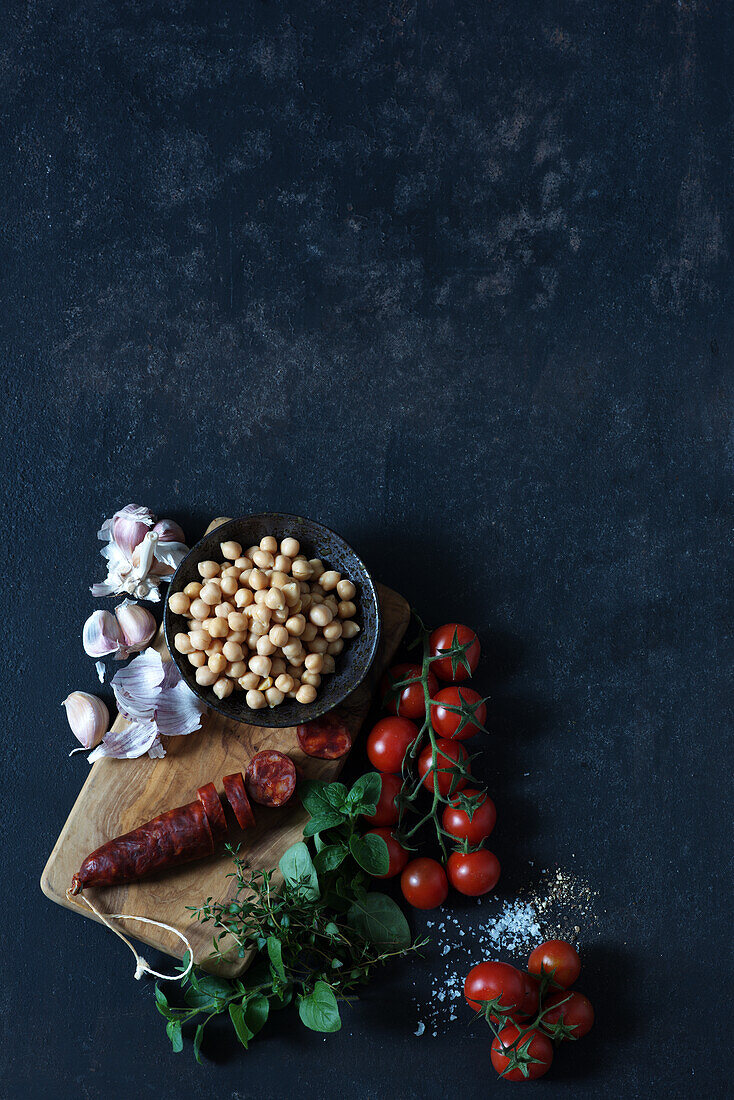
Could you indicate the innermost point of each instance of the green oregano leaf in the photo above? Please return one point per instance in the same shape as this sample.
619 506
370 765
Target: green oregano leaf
319 1011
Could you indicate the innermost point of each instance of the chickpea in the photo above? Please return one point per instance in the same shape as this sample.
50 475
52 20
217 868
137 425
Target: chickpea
314 662
249 681
280 616
259 664
200 639
277 667
279 579
300 569
290 547
336 647
279 635
275 599
284 683
217 628
263 560
317 567
265 683
199 610
328 665
305 602
245 577
235 669
262 615
197 659
329 579
320 615
251 550
318 645
179 603
223 610
233 651
192 590
243 597
205 677
274 697
346 590
313 598
293 648
306 693
350 629
270 544
298 660
206 623
231 550
333 630
209 569
223 688
237 636
347 609
282 564
255 700
257 579
217 663
230 571
305 588
182 642
332 603
237 621
230 585
292 593
261 595
252 640
211 594
215 647
311 678
243 563
309 632
264 646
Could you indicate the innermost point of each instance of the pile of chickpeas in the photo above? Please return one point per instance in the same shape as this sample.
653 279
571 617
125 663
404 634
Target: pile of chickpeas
266 620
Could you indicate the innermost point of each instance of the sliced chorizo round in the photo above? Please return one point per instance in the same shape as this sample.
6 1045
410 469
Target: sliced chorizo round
271 778
326 738
214 810
236 795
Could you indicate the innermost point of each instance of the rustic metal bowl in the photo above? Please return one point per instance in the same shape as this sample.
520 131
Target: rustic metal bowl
316 541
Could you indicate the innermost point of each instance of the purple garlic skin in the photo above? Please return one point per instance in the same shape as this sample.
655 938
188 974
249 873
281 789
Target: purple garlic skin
102 634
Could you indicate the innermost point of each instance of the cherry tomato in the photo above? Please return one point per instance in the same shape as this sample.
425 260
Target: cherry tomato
446 722
443 638
456 821
396 852
473 873
576 1013
424 884
532 996
387 811
534 1044
411 702
448 753
490 980
388 743
558 959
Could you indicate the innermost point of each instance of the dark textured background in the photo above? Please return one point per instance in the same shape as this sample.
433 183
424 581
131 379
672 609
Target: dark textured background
453 279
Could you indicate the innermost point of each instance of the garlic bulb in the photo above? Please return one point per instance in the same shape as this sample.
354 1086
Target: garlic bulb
137 624
102 634
88 717
140 553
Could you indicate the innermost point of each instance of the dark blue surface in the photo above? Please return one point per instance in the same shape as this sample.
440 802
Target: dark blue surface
452 279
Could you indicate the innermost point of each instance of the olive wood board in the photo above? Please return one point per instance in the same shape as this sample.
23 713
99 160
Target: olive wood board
119 795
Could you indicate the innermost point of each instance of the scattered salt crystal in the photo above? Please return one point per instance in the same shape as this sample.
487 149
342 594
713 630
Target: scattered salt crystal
420 1029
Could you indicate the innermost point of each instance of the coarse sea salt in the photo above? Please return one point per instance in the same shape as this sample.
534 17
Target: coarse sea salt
561 905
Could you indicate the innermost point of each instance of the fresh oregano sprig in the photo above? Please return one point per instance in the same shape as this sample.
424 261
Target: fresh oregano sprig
315 936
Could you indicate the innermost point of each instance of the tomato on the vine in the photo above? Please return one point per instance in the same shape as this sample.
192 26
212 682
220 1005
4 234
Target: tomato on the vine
387 812
577 1013
473 873
532 995
457 822
491 980
443 638
448 754
410 703
397 854
424 884
534 1052
388 743
558 959
446 722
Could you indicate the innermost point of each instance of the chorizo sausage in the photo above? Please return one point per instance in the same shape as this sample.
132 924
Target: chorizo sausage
234 792
175 837
214 810
271 778
326 738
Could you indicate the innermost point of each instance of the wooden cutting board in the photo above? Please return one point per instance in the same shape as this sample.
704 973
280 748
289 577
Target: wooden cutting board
119 795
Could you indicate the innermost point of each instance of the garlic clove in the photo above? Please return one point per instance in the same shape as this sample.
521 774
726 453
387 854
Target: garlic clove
102 634
168 530
88 717
137 625
128 527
